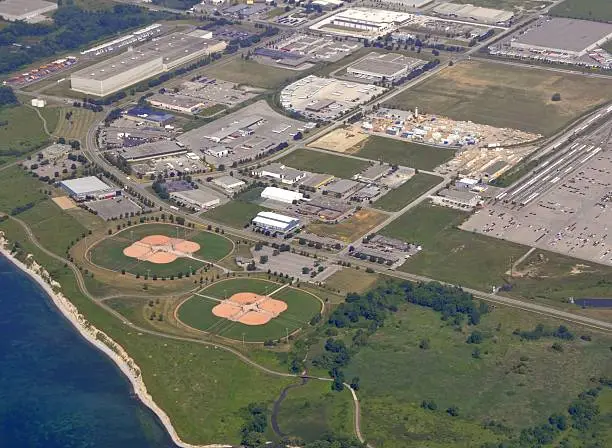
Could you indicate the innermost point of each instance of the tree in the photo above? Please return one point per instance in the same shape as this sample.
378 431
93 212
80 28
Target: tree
355 383
453 411
556 97
424 344
263 259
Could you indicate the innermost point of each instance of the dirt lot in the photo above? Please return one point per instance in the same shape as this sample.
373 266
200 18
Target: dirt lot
340 140
350 229
64 202
502 95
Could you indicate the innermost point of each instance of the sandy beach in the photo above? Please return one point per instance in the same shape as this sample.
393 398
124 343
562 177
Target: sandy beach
98 339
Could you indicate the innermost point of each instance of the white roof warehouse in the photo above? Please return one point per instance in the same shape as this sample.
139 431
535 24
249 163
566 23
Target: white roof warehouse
88 187
275 222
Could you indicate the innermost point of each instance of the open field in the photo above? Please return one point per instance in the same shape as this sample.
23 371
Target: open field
600 10
409 191
235 213
320 162
507 96
23 132
351 280
397 152
17 188
340 140
515 382
251 73
108 253
351 228
196 312
78 124
313 409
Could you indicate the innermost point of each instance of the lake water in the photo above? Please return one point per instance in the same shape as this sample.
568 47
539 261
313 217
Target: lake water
56 390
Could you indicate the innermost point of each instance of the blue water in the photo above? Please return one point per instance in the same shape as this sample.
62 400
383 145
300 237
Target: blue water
56 390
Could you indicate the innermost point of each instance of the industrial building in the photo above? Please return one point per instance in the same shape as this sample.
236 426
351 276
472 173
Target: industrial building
228 183
124 41
342 188
475 13
383 67
461 199
567 36
374 172
178 103
285 174
362 22
200 198
275 222
140 63
26 10
88 188
281 195
151 150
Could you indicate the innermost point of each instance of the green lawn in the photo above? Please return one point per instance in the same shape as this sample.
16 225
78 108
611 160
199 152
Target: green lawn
450 254
197 311
22 133
17 188
517 383
108 253
313 409
320 162
251 73
506 96
396 199
234 213
397 152
600 10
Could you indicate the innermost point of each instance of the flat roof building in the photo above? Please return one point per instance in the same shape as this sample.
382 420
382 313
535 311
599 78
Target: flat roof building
388 66
560 35
275 222
476 13
285 174
362 22
462 199
342 187
151 150
179 103
88 187
200 198
374 172
228 183
26 10
281 195
142 62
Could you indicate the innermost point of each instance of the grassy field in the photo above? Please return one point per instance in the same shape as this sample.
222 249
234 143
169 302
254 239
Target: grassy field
251 73
400 197
234 213
313 409
516 383
600 10
78 124
18 188
351 228
108 253
23 132
320 162
507 96
397 152
450 254
351 280
197 311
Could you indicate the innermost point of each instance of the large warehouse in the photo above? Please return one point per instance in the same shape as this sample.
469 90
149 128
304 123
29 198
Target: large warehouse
26 10
88 188
280 195
478 14
275 222
558 35
140 63
362 22
388 66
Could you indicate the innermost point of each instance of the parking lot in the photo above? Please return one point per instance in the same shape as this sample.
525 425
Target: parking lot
114 208
565 206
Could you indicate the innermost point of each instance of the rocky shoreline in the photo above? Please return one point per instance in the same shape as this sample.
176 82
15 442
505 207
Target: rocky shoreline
97 338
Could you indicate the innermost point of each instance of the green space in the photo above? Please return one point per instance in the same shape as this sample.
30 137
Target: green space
398 152
504 379
251 73
451 254
21 131
321 162
197 311
506 96
351 280
235 213
600 10
349 229
409 191
310 410
74 122
108 253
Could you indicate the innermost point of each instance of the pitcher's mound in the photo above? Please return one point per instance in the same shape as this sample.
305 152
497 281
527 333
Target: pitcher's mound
160 249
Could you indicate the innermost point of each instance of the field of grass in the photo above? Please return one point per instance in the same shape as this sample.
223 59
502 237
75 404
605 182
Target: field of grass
197 311
251 73
313 409
450 254
400 197
397 152
600 10
507 96
351 280
78 124
108 253
234 213
18 188
351 228
23 132
516 383
320 162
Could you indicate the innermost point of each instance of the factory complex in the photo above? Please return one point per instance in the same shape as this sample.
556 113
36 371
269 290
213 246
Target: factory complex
362 22
275 222
380 67
326 98
135 37
89 187
26 10
476 13
140 63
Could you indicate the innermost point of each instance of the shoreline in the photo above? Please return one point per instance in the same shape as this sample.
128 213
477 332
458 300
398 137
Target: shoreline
98 339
